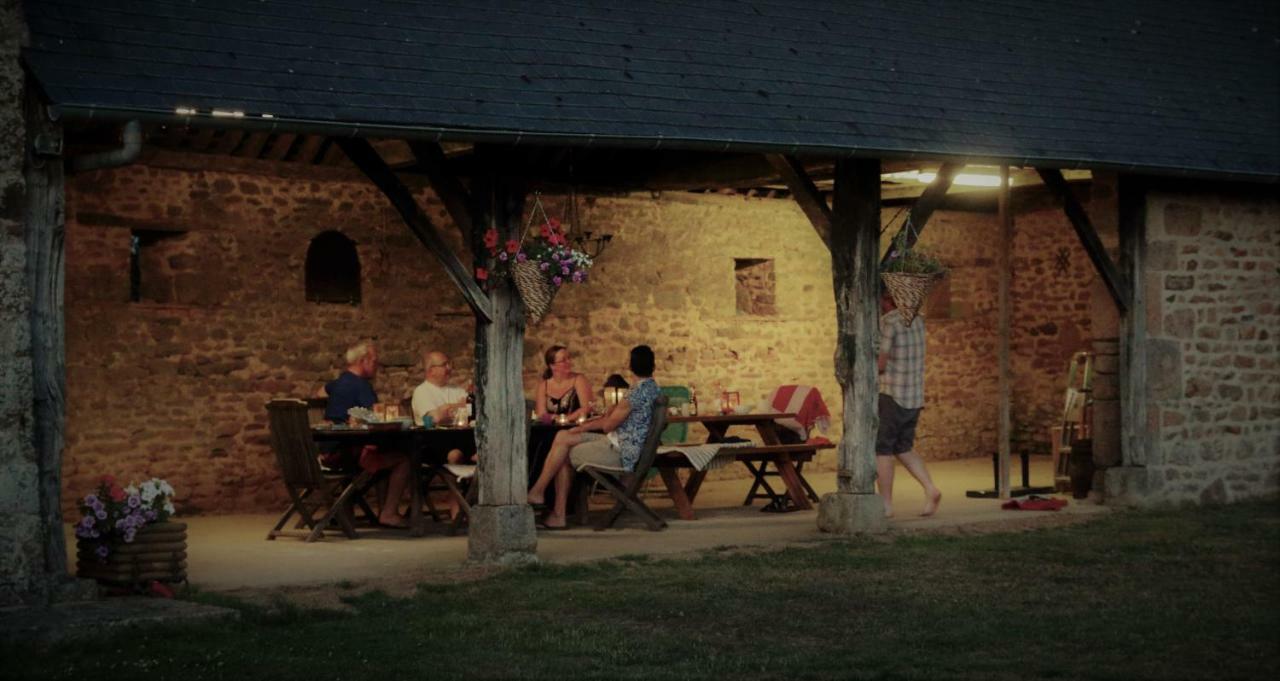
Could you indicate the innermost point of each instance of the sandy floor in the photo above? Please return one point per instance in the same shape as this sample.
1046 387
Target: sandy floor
230 553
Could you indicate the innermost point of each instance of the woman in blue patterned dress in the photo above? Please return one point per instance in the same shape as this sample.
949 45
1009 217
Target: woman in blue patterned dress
614 439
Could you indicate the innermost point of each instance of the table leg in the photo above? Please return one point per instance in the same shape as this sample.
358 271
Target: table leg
768 432
694 483
417 527
795 488
683 506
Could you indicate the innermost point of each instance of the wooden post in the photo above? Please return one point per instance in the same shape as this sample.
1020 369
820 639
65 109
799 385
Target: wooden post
855 248
502 528
1133 322
46 225
1006 276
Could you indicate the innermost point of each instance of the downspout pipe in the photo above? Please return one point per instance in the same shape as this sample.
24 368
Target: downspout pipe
126 154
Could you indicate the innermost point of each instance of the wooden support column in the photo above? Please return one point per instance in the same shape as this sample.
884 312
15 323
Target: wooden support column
46 227
363 155
923 208
855 248
1097 253
1133 322
1006 277
502 528
805 193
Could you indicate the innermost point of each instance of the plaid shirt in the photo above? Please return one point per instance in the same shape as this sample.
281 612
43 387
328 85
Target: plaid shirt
903 377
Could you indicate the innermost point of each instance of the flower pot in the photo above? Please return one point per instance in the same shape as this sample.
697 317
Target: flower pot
158 552
534 288
909 290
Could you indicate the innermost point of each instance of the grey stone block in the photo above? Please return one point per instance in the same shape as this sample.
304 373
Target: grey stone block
852 514
502 535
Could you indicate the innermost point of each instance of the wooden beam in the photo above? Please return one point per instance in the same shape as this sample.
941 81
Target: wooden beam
923 208
1134 431
228 142
372 165
855 234
201 138
332 155
280 147
252 147
1116 284
805 193
309 149
1005 381
447 186
45 221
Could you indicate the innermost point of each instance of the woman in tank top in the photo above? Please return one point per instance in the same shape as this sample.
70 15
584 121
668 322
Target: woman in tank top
562 391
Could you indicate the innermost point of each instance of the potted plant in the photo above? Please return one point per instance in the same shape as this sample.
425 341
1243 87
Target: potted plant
125 536
539 264
909 273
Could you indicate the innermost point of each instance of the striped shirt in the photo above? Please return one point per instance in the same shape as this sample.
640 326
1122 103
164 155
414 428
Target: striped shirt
903 376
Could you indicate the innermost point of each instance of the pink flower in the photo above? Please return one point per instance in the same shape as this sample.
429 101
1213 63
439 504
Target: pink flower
117 493
513 246
554 224
482 274
557 280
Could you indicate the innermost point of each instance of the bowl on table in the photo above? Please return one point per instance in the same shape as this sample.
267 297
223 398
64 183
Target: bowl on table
742 409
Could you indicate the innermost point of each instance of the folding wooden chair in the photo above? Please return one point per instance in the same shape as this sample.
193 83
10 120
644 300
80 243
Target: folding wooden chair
625 486
311 490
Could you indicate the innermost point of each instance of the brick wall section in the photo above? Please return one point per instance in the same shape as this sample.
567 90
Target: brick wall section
177 389
21 551
1213 273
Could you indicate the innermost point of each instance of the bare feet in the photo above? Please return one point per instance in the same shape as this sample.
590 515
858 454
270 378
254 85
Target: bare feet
888 511
535 500
931 506
554 522
396 521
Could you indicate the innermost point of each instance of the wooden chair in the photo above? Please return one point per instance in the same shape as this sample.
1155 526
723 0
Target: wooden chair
625 486
311 490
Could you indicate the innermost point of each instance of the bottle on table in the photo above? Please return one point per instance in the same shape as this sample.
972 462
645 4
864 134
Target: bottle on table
693 400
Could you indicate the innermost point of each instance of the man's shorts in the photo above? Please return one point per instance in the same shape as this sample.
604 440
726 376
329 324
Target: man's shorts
897 433
595 449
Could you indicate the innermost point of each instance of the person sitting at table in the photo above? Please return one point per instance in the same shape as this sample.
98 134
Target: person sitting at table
562 391
352 388
614 439
434 397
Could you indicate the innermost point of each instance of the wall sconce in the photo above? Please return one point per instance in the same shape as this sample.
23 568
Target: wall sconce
592 245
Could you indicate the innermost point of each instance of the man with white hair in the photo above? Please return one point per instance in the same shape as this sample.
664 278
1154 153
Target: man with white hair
353 389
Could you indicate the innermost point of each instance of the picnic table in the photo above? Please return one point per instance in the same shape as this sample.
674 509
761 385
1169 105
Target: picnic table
427 448
789 460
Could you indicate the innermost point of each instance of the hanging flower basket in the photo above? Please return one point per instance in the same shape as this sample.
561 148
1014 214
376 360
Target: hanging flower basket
539 263
909 290
909 273
535 290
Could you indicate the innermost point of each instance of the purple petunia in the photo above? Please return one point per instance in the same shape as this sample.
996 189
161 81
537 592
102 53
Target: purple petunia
543 266
102 551
578 277
134 501
521 257
91 500
502 256
102 514
557 280
564 269
129 534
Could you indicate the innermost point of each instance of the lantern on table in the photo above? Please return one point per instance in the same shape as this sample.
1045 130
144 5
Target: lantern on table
615 389
729 402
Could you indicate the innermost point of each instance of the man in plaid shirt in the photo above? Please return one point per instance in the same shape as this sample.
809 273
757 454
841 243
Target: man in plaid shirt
901 365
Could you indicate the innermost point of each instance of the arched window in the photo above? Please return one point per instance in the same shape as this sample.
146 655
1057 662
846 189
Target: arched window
333 269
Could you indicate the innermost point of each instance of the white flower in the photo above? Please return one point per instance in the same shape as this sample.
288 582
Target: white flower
131 490
164 487
168 508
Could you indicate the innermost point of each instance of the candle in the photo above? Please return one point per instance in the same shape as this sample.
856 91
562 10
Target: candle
582 418
562 419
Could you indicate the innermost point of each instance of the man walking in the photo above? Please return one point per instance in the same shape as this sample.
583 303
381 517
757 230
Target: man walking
901 365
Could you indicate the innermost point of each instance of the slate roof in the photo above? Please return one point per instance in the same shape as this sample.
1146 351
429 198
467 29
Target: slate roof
1178 86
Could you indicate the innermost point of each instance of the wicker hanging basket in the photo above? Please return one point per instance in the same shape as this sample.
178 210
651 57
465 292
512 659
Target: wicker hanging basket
536 292
909 291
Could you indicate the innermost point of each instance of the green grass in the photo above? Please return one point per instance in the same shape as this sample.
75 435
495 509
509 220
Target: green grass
1180 594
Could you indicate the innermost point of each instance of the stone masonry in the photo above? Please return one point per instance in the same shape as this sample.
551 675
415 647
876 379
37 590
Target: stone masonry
1213 270
21 550
174 385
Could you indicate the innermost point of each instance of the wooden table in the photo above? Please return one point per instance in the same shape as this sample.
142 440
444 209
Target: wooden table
427 446
717 426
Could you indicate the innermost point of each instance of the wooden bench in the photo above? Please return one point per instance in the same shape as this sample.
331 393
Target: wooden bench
788 459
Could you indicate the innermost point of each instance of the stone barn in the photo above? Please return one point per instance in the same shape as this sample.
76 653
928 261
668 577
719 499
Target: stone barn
204 206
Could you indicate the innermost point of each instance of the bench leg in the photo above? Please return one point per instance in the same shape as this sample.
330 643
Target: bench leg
676 490
795 489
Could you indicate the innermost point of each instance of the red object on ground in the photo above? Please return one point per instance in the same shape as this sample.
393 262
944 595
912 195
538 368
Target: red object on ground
160 589
1034 503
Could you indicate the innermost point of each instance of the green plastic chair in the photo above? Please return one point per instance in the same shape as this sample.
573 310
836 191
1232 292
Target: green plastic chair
677 396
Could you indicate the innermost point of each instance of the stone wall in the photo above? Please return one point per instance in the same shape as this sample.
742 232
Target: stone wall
21 550
1213 271
174 385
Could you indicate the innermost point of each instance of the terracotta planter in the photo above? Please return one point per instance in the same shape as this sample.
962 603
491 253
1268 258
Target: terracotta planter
158 552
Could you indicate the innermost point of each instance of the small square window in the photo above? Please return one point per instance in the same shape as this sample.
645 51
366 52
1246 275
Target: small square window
755 287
